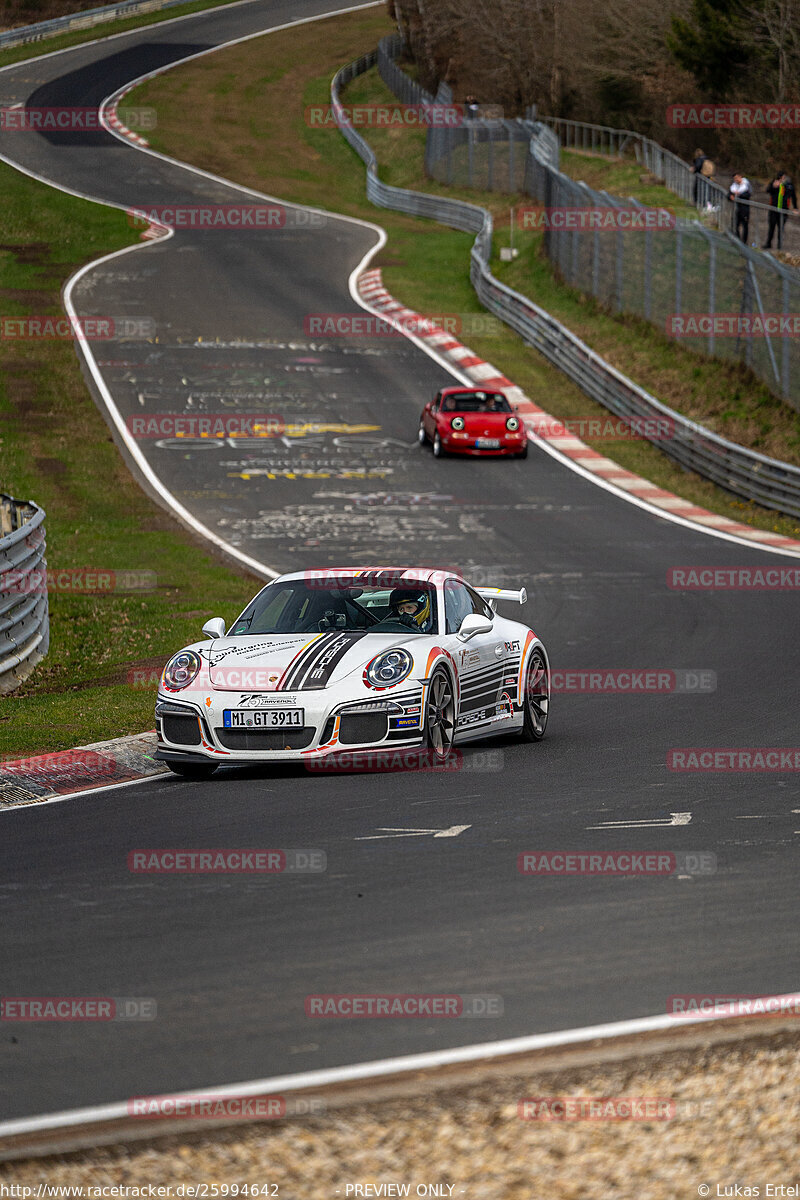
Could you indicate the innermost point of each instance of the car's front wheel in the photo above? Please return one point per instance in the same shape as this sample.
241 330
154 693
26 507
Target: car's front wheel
422 437
536 698
440 715
192 770
438 448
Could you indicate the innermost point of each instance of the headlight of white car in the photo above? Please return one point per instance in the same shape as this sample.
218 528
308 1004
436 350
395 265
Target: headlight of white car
181 669
389 668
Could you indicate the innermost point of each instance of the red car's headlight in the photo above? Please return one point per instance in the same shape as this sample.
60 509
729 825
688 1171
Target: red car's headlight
457 422
512 424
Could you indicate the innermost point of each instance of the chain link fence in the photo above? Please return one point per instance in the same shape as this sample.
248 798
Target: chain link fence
486 152
679 279
705 194
744 472
704 287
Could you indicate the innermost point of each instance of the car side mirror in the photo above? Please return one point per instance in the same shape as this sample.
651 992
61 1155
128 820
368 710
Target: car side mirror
472 625
215 628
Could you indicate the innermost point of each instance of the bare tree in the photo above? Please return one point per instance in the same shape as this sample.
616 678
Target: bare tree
776 33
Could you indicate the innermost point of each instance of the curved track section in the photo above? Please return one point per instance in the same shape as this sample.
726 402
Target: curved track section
230 960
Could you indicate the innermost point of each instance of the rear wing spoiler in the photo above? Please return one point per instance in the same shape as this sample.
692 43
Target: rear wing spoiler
492 595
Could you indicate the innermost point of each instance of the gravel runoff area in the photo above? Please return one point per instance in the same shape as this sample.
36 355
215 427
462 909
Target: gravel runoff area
728 1115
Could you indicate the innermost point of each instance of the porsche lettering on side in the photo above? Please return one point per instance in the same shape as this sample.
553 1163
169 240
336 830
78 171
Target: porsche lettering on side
462 420
349 659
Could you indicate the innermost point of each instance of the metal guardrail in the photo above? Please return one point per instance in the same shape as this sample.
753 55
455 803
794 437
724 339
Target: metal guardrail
688 266
744 472
81 20
24 612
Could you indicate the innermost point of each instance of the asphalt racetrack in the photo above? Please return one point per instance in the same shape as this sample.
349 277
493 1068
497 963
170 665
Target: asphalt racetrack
230 959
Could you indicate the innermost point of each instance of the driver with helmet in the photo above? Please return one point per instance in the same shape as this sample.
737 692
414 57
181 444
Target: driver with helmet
410 607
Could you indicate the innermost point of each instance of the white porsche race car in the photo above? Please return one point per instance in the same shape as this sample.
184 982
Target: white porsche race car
352 660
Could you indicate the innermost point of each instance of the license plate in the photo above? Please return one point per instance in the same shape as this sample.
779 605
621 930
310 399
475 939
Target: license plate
263 718
487 443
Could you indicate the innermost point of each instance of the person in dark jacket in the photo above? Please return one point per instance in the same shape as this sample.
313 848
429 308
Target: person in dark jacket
740 190
782 197
697 171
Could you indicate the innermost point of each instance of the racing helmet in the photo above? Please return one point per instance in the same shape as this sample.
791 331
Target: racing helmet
421 599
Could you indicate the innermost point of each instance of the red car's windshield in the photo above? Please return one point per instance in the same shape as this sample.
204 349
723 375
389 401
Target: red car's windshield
476 402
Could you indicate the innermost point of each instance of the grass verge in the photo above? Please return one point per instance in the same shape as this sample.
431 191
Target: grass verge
622 177
249 125
56 449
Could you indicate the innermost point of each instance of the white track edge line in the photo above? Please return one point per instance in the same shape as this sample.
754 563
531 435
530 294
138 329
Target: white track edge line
178 510
380 1068
450 367
569 463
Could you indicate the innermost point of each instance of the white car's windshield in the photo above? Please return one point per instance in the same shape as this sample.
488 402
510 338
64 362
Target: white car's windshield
312 606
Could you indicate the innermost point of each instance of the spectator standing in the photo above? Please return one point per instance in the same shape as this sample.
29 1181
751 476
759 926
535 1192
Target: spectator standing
782 197
740 190
697 171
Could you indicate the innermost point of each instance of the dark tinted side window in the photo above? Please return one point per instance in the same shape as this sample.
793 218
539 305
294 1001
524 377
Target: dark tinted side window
479 605
457 605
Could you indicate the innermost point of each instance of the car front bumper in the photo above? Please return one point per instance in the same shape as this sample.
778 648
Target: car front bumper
452 445
191 730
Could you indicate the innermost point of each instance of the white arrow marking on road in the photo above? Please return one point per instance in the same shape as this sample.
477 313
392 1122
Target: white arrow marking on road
390 832
674 819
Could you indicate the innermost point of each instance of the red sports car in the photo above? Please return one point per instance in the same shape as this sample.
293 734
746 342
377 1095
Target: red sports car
462 420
